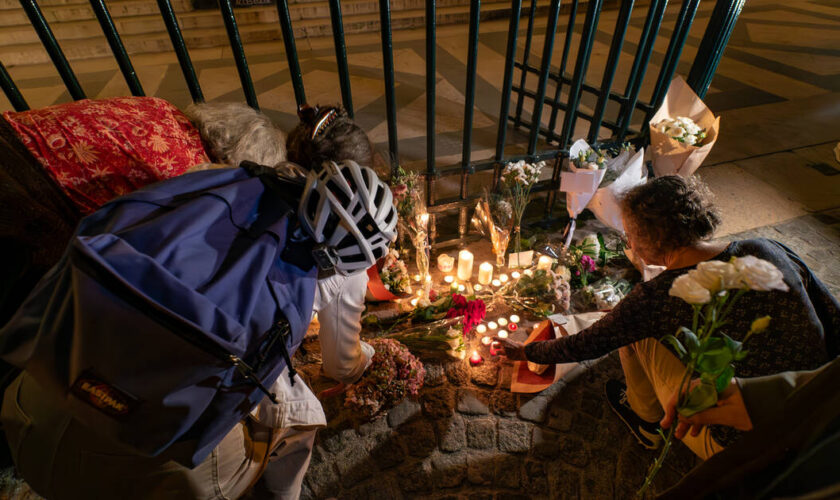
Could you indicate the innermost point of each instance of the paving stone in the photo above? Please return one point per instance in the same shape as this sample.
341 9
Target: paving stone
338 440
379 488
536 481
584 426
451 433
564 482
593 404
534 409
503 403
514 436
354 466
480 467
404 411
508 471
419 438
322 479
458 373
416 477
592 484
377 426
435 374
480 496
486 374
573 450
450 469
438 402
471 402
505 376
481 433
546 443
388 452
559 418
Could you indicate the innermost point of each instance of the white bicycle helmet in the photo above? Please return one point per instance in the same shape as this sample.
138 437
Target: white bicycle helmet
350 213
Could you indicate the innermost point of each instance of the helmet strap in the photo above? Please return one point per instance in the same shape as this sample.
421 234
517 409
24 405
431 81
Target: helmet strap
324 256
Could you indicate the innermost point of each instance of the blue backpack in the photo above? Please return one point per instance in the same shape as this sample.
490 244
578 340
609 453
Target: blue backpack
171 311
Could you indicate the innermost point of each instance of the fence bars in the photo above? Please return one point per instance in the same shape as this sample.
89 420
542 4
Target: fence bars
640 62
11 90
238 53
431 92
548 50
180 47
341 55
117 47
672 55
507 85
388 67
517 121
561 74
36 18
621 24
291 50
715 38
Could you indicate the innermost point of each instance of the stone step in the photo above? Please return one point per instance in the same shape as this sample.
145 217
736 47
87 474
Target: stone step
82 12
201 31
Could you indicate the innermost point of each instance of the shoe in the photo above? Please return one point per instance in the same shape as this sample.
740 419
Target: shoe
646 433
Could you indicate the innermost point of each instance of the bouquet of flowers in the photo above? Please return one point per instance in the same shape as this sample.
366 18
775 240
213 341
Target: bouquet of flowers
517 179
542 292
624 171
580 260
493 218
587 168
388 279
473 311
413 220
607 293
441 338
393 374
679 145
712 289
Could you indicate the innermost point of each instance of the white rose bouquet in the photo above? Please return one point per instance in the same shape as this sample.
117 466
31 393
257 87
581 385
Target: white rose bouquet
682 131
712 289
517 180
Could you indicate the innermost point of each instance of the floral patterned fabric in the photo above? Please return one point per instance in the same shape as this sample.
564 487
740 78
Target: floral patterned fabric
97 150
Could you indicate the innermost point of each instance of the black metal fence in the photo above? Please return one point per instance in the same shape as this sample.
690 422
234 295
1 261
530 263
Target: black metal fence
569 85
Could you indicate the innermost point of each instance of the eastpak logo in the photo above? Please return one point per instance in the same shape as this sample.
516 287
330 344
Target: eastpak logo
103 396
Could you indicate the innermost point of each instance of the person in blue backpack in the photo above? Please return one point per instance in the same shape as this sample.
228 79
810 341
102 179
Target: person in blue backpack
345 220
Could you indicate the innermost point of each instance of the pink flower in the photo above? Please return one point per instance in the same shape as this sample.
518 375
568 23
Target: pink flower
587 263
399 191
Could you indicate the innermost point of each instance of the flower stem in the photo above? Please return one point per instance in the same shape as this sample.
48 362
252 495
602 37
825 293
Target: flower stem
657 464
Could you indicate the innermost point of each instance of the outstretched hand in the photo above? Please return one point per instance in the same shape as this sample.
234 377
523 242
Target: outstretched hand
729 411
511 349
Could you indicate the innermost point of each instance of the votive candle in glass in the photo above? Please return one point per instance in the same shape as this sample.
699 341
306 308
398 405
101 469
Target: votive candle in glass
465 265
502 334
477 288
514 318
515 275
481 328
461 288
475 358
502 321
449 278
513 327
492 325
485 273
445 263
544 263
497 283
503 278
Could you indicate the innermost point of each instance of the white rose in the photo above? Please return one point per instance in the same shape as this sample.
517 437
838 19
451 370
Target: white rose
716 275
590 166
686 288
759 274
590 245
676 132
691 140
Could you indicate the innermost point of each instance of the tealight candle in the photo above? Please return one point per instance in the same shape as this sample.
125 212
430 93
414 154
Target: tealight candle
449 278
544 263
416 277
481 328
445 263
486 340
515 275
503 278
502 334
475 358
514 318
512 327
414 302
497 283
465 265
528 272
461 288
492 325
485 273
477 288
428 278
502 321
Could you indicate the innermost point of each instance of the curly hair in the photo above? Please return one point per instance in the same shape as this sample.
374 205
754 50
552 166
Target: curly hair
340 139
671 211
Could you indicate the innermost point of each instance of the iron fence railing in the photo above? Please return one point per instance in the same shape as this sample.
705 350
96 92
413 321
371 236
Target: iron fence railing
563 113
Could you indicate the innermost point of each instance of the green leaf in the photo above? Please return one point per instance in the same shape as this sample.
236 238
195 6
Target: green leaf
716 357
722 381
732 344
691 343
677 345
741 354
702 397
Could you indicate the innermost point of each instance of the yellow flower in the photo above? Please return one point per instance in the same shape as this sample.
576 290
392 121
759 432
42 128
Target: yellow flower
760 324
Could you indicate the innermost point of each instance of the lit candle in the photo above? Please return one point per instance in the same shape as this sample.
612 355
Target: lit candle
461 288
502 334
481 328
497 283
477 288
449 279
544 263
502 321
485 273
528 272
423 219
414 302
486 340
445 263
428 278
503 278
416 277
515 275
475 358
492 325
465 265
512 327
514 318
